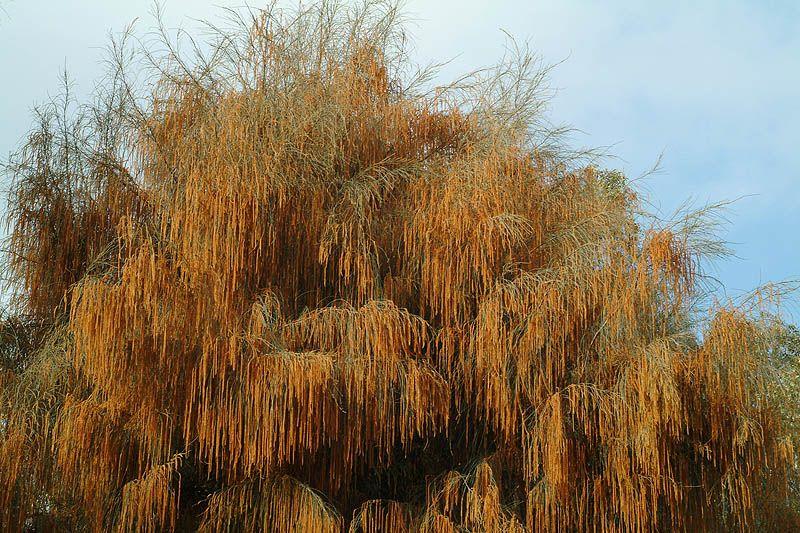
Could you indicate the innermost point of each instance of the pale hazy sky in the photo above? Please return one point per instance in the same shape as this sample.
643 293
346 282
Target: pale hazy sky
714 84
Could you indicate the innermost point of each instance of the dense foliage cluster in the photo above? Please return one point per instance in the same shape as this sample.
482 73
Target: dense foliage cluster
274 285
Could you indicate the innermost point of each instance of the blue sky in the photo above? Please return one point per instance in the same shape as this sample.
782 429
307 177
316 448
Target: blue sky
714 85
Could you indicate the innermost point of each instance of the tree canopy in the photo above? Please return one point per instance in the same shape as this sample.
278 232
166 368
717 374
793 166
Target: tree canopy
275 282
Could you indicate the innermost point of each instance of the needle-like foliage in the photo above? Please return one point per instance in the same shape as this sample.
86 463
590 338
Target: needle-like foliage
272 284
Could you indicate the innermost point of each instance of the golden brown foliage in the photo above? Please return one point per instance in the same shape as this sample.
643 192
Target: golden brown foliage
283 289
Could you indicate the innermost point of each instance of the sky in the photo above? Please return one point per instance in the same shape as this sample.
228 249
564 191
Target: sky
713 85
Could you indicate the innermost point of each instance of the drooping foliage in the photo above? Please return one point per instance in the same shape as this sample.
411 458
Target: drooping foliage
275 285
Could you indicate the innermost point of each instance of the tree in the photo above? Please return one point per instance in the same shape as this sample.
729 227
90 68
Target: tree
281 287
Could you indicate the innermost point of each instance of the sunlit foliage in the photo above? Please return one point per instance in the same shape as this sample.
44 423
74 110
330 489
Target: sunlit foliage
273 284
